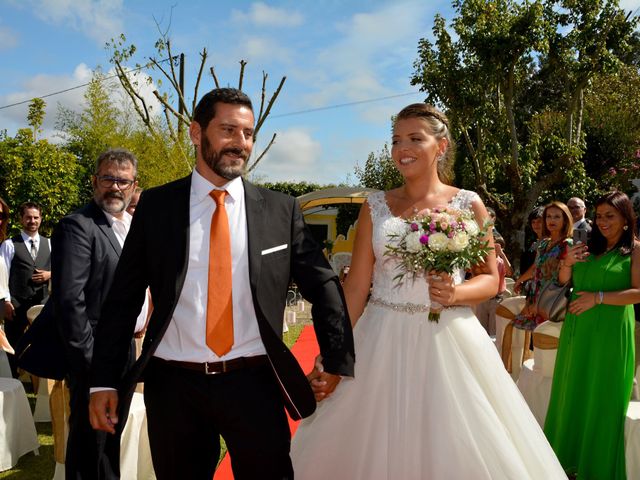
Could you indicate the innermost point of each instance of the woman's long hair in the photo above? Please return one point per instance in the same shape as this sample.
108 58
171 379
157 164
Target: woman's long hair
619 201
6 213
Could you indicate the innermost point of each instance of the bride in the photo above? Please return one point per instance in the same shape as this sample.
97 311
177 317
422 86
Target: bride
429 400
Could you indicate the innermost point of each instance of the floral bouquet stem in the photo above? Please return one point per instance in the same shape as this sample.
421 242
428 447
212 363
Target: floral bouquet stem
434 310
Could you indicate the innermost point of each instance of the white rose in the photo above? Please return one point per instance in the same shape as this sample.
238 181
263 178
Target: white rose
459 242
413 241
471 227
438 241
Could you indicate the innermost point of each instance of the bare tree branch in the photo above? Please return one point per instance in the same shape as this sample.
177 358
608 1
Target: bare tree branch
270 104
243 64
255 163
203 61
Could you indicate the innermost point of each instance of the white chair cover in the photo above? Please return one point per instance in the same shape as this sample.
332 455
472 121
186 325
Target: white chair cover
536 376
17 430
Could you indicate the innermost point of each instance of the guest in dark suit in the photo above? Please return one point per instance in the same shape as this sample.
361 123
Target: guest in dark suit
86 249
28 261
581 226
195 388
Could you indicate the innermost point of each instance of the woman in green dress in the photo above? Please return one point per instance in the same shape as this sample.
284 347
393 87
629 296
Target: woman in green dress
594 368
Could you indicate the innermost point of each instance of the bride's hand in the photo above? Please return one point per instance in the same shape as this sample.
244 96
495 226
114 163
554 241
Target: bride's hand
442 288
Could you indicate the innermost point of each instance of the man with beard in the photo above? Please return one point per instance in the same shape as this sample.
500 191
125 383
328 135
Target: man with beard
218 254
86 248
28 260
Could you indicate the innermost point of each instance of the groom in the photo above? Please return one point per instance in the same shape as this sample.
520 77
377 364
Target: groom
218 254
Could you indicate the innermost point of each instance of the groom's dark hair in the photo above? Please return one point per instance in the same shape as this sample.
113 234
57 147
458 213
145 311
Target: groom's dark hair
206 108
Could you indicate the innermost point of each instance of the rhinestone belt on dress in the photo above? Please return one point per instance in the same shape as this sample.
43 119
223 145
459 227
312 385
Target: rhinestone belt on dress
411 308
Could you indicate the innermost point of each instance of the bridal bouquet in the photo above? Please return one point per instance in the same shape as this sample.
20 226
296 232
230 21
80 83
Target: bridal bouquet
440 240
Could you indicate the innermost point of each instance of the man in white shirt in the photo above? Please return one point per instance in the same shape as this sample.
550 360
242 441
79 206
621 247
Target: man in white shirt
581 226
27 257
214 246
86 249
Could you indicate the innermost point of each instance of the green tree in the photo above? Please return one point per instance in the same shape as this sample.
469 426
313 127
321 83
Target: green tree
106 123
513 82
41 172
379 171
35 115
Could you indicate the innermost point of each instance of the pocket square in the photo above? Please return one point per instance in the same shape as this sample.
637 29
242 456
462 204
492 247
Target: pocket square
274 249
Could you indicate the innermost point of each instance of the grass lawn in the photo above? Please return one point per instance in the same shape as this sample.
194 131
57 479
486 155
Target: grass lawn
41 467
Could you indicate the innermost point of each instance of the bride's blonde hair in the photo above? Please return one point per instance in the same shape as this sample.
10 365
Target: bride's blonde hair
439 127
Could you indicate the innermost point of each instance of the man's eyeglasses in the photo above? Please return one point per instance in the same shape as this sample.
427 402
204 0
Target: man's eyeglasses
107 181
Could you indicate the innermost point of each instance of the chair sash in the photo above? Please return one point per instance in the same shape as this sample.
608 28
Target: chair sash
544 341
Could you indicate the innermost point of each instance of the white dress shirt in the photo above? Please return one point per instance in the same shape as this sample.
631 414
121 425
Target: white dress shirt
120 227
185 338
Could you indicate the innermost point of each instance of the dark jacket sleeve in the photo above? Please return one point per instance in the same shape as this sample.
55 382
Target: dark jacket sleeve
71 261
319 284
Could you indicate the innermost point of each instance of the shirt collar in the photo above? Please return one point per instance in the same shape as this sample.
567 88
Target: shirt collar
201 187
27 238
126 218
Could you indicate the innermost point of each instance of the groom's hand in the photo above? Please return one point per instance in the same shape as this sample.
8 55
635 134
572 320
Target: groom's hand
322 383
102 410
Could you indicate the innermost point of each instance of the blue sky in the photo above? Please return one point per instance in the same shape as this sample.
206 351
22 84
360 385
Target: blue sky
332 52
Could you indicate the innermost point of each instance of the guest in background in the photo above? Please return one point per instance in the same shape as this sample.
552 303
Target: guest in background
133 204
557 230
581 226
486 311
5 301
27 257
594 368
536 224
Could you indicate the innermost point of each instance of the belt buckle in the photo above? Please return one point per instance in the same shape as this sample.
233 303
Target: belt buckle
207 372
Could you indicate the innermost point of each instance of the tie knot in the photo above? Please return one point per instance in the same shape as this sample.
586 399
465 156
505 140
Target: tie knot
218 196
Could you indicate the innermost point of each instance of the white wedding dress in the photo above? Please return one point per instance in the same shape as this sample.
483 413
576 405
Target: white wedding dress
429 401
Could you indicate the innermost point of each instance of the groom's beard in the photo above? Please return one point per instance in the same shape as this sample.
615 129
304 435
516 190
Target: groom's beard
229 163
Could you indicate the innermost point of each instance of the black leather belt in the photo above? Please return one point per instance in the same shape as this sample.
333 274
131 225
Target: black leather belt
213 368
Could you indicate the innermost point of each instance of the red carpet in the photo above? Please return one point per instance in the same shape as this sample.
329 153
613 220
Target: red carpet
305 350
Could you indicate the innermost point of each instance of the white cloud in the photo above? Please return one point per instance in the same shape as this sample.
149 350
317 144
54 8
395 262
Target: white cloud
353 68
99 20
293 157
8 38
263 15
262 50
39 85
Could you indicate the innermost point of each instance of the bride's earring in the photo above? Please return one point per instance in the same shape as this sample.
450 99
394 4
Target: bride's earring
625 228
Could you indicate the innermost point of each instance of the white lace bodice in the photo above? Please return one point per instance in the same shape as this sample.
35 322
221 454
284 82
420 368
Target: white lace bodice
385 286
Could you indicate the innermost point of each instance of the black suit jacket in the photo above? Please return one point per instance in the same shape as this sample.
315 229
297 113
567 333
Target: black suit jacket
85 252
156 254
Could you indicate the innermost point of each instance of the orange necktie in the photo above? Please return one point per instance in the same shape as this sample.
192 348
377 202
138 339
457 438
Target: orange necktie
219 304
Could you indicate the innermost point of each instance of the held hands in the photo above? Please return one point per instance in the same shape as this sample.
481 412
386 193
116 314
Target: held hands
442 289
102 410
322 383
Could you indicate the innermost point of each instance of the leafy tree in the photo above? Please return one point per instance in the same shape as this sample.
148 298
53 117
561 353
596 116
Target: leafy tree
379 171
106 123
513 82
41 172
35 116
